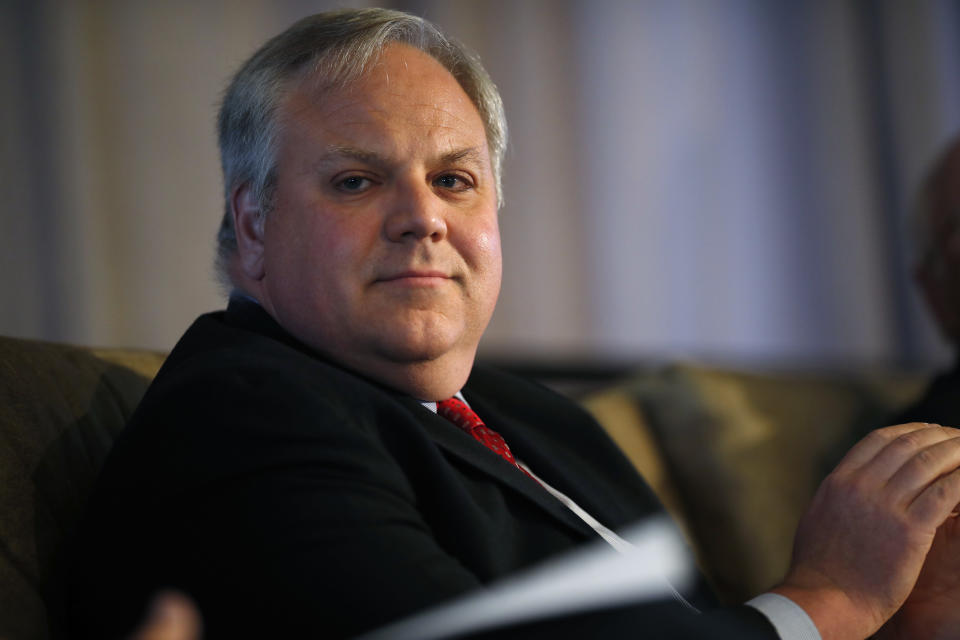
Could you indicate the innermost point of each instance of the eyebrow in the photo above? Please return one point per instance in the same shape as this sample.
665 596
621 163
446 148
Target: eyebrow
470 154
337 151
366 156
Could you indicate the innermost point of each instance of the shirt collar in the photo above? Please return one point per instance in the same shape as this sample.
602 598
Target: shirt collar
432 406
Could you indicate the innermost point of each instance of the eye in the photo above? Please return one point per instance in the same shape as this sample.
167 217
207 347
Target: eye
453 182
354 184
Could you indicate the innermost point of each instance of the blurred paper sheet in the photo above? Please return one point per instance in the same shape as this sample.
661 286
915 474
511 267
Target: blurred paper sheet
656 567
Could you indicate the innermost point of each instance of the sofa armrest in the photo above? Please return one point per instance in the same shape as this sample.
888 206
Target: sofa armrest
61 407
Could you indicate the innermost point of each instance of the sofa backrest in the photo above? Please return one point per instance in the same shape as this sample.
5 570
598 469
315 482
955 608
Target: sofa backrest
736 456
61 408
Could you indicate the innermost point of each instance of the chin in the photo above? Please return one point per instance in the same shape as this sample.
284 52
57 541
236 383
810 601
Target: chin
418 342
403 352
435 379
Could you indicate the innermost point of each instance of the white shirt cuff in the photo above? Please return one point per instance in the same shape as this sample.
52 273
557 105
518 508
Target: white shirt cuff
786 616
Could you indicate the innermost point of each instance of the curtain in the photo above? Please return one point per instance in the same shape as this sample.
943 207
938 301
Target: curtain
726 180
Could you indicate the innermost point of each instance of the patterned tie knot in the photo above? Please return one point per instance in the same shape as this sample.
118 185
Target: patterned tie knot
457 412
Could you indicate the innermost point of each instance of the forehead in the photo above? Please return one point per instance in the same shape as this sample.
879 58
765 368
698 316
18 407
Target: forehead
404 92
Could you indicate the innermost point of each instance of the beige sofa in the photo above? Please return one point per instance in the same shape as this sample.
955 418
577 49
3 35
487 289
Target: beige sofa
60 409
734 456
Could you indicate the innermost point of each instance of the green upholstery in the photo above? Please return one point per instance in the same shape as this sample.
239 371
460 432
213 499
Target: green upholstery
739 455
60 409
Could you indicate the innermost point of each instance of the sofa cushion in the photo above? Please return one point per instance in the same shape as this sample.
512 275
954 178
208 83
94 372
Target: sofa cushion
60 409
621 416
746 451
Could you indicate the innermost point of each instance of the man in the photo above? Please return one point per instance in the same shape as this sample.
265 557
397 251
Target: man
288 468
937 272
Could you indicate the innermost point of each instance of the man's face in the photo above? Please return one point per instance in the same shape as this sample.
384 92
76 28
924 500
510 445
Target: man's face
382 250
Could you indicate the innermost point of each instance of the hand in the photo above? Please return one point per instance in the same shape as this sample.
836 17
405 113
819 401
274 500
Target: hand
932 611
860 547
172 617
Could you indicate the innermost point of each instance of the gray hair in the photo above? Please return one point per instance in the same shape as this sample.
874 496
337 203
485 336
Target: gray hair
337 46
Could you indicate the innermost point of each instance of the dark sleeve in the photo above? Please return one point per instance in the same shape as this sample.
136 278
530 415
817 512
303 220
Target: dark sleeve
274 510
653 620
660 620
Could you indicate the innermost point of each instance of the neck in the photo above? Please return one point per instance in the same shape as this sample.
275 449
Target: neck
431 380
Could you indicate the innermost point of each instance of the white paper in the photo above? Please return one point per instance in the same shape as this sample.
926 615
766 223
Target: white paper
656 567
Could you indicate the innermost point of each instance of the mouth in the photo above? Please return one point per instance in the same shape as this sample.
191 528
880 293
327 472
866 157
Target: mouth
416 278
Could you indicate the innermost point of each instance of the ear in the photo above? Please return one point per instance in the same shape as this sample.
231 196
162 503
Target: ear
248 226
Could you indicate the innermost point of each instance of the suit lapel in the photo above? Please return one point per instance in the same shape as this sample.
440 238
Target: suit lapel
554 464
461 445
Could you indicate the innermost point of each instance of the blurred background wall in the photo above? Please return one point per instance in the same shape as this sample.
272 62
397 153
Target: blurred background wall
727 180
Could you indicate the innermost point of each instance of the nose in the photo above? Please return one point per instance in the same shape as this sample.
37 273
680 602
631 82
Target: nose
416 213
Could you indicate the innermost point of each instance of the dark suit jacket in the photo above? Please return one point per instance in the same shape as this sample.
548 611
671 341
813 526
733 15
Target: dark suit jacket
293 498
939 404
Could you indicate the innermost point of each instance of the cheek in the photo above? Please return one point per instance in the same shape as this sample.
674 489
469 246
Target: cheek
326 243
496 260
490 241
301 262
488 256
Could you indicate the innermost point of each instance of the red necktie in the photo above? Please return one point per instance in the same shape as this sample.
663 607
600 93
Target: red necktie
457 412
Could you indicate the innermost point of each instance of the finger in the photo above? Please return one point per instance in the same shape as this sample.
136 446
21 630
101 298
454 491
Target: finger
923 468
902 449
867 448
172 616
934 505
